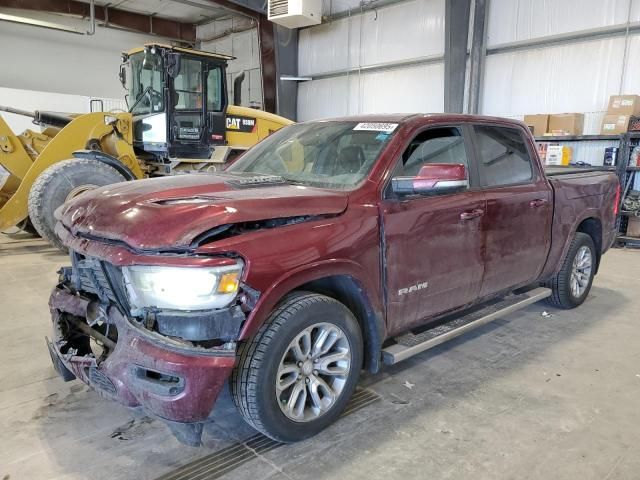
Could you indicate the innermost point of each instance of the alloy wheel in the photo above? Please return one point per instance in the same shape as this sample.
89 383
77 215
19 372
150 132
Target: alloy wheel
581 271
313 372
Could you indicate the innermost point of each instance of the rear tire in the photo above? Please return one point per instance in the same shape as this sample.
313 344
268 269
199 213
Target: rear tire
291 400
571 286
61 182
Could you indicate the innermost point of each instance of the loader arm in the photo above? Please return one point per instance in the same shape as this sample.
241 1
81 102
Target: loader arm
13 154
115 139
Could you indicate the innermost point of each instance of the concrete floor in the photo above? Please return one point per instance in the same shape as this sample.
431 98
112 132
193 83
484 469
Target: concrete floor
525 397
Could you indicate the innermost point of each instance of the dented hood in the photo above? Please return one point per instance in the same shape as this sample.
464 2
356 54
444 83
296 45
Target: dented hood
169 213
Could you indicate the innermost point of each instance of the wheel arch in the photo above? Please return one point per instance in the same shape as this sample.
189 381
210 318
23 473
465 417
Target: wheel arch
592 226
107 159
342 284
349 292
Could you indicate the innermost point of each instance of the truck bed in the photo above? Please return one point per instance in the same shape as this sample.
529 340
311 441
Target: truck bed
581 193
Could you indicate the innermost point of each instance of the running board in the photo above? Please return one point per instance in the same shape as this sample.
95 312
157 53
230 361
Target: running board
411 344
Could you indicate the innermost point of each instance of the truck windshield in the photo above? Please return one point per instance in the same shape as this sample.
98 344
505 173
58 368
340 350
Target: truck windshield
330 154
146 83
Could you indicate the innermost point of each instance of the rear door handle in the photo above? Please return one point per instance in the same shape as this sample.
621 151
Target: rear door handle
478 212
538 202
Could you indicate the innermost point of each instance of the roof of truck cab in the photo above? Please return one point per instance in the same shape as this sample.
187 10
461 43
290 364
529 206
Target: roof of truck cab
425 118
182 50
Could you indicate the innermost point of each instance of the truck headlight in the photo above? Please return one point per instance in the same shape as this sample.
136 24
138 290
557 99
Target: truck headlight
182 288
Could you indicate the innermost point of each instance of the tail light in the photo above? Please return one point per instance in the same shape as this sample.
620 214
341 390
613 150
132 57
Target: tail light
616 202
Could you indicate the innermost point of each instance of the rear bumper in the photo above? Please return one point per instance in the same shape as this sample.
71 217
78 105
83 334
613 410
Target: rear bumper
172 381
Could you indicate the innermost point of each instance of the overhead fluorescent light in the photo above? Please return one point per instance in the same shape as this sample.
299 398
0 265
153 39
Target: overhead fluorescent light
38 23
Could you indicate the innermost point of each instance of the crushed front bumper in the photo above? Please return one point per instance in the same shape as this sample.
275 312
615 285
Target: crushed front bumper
176 382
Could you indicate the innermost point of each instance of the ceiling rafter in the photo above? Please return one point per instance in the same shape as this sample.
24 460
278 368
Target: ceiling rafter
137 22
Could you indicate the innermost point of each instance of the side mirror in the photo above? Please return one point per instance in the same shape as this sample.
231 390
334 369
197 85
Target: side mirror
173 64
123 76
432 178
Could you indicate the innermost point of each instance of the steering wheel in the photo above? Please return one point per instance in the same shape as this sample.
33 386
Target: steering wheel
351 164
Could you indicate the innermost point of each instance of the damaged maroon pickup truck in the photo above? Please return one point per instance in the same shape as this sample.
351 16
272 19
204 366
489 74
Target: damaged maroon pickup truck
329 248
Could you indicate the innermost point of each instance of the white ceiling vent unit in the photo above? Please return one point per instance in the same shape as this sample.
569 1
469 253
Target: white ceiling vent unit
295 13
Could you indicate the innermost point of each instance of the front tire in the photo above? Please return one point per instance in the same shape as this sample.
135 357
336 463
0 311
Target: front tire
295 377
571 286
62 182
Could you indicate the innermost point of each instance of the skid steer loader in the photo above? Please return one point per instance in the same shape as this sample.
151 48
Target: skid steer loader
179 120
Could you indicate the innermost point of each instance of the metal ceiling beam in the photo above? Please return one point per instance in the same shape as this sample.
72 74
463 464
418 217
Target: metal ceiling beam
38 23
254 6
267 43
365 6
230 5
599 33
136 22
287 67
456 30
477 55
380 67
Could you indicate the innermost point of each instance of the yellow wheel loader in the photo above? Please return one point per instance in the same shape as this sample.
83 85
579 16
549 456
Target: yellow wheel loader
179 120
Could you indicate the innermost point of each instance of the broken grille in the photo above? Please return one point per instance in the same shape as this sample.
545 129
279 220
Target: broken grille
91 277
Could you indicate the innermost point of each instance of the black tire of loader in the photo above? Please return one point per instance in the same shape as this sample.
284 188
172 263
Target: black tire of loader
51 188
27 226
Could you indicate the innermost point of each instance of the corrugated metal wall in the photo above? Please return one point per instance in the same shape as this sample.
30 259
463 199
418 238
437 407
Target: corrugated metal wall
236 36
576 76
518 20
402 43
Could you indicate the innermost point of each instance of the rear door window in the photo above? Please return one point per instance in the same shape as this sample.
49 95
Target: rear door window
503 156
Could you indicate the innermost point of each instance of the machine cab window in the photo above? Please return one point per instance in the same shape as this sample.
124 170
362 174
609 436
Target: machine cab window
188 89
177 100
146 84
215 89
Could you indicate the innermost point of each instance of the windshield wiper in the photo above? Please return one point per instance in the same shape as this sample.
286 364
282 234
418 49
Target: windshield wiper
294 181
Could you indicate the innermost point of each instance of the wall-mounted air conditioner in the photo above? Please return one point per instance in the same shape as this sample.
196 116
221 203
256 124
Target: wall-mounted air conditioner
295 13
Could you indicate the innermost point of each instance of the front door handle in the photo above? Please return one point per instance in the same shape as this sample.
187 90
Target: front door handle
478 212
538 202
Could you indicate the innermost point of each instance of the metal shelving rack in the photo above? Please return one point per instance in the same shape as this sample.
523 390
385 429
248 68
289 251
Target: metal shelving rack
627 175
576 138
615 139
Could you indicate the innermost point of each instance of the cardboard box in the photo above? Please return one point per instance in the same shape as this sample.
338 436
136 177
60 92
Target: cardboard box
633 227
615 124
624 105
566 123
559 155
538 124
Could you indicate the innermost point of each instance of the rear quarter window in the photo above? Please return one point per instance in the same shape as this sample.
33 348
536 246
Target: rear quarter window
503 156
